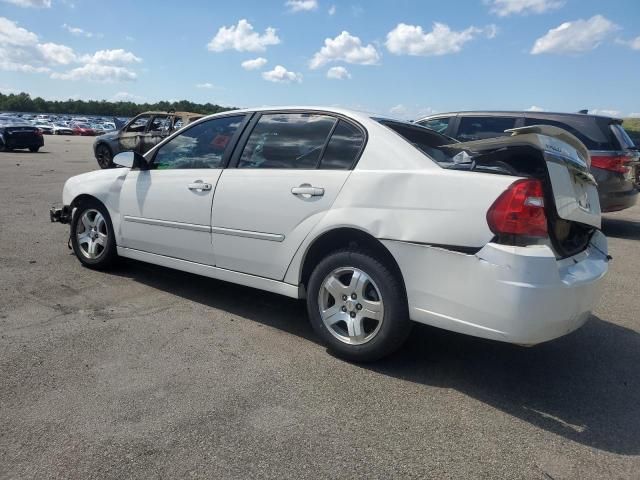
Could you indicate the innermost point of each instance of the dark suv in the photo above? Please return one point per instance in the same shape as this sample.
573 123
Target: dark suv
614 157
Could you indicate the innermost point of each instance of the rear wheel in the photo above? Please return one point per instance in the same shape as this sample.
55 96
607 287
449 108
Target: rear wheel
358 306
92 236
104 156
34 149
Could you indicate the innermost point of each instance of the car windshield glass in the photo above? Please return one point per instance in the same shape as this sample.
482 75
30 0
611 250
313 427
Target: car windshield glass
429 142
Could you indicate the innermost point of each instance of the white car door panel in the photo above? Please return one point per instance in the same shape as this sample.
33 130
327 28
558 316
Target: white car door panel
259 222
168 212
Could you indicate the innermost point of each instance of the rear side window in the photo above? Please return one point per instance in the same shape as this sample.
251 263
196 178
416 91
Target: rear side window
439 125
623 137
287 140
588 131
478 128
343 148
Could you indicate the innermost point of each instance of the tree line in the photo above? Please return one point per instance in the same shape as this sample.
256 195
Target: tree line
22 102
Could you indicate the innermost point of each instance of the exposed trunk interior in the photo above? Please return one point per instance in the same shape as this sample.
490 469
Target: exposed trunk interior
568 238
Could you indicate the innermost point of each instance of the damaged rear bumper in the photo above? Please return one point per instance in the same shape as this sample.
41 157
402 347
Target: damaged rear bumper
60 215
521 295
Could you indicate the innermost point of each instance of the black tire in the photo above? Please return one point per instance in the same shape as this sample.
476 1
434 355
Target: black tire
104 156
395 326
106 253
34 149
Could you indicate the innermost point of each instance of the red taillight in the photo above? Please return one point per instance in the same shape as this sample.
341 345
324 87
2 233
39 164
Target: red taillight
519 210
618 163
38 132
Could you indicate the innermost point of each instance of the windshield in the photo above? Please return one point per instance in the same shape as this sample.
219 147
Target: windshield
428 141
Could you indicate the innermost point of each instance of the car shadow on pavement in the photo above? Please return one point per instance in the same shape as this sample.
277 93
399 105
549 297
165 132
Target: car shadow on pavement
620 228
584 387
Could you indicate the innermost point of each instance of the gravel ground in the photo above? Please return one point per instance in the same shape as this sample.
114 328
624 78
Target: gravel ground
144 372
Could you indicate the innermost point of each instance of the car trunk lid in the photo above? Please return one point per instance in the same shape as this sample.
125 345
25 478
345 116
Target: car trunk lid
567 160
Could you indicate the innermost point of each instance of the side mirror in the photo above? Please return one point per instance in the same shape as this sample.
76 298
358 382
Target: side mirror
130 160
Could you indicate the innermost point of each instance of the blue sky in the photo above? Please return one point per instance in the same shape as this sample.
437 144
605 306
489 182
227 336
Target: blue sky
406 57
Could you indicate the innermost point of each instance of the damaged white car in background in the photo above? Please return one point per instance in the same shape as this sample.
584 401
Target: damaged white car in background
375 222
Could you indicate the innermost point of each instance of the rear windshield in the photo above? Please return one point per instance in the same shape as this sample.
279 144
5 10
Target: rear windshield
594 132
427 141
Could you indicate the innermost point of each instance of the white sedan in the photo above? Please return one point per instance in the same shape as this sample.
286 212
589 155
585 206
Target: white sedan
375 222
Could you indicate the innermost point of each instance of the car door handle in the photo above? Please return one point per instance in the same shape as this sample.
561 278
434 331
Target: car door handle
307 189
201 186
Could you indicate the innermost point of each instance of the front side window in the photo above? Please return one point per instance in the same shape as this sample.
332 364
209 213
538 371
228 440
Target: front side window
160 124
477 128
343 148
287 140
439 125
139 124
201 146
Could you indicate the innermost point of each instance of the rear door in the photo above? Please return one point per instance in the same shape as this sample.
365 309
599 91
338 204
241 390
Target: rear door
166 210
288 173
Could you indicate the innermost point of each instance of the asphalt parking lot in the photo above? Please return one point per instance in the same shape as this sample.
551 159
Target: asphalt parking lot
145 372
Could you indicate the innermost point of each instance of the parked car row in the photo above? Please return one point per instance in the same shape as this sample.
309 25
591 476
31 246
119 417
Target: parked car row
614 157
375 222
64 124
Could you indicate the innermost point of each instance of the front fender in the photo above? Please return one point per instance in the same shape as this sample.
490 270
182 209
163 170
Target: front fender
104 185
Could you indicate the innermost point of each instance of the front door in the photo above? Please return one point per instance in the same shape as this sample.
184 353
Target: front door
287 176
130 138
166 210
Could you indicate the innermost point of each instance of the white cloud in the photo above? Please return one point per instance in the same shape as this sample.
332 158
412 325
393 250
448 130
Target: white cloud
575 37
12 34
633 44
338 73
332 10
281 75
412 40
22 51
58 54
413 112
504 8
96 72
347 48
632 114
301 5
242 38
535 108
254 64
607 112
126 97
30 3
112 56
205 85
79 32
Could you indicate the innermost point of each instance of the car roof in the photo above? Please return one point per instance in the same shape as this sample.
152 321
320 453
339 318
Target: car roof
530 113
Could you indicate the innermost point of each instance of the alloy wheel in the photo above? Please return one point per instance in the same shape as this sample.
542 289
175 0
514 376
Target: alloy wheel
92 234
351 305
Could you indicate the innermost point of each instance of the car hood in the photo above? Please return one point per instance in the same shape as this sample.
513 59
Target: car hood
108 136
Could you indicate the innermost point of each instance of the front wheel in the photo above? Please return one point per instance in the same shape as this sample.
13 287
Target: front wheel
358 306
92 236
104 156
